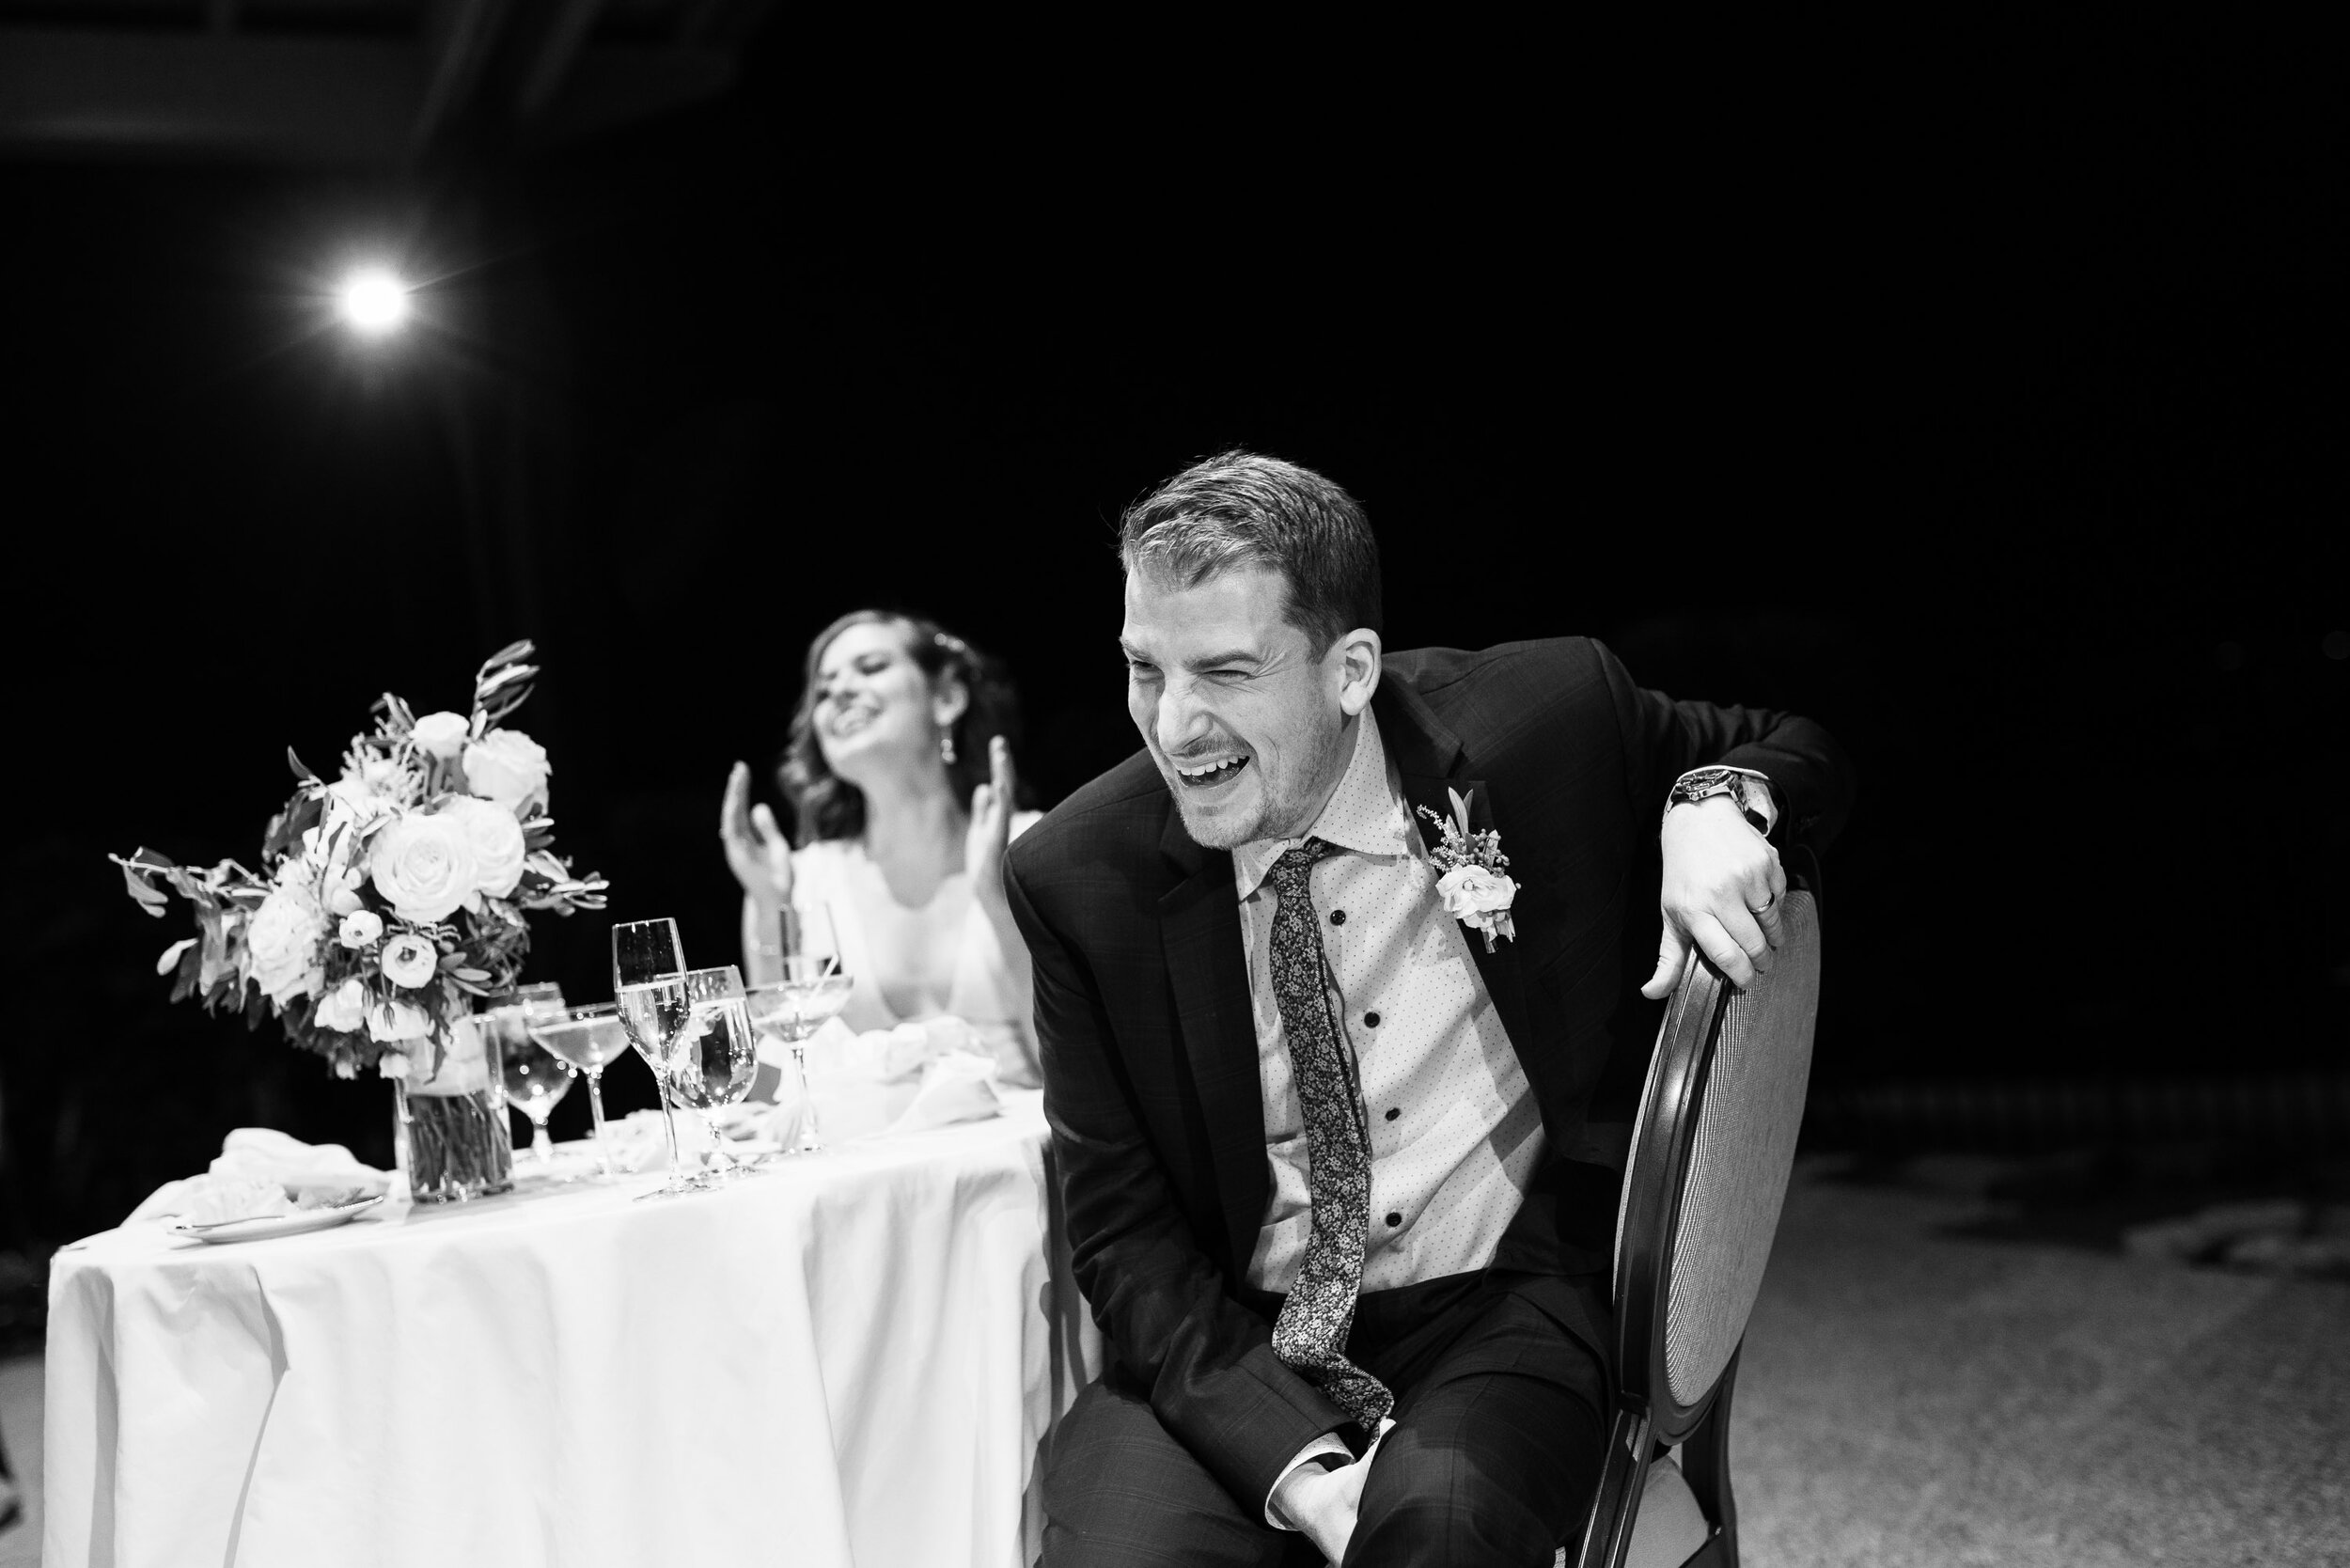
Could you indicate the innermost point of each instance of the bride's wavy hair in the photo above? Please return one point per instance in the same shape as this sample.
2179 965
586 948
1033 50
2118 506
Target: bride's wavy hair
827 806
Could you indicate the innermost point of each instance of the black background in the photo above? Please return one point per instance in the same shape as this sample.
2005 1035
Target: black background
1981 398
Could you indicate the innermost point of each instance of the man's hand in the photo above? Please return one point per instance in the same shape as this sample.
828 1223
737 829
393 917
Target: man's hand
1722 891
1322 1503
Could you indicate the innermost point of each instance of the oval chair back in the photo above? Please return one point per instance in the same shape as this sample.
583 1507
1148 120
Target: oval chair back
1709 1158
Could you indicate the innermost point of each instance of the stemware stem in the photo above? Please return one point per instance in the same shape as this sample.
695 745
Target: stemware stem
595 1110
541 1146
810 1142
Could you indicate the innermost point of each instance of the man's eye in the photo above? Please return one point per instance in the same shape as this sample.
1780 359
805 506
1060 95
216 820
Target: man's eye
1139 670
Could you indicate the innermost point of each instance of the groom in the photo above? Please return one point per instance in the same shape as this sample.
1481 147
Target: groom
1330 1191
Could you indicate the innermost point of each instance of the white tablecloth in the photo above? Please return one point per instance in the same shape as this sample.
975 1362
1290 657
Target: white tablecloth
852 1359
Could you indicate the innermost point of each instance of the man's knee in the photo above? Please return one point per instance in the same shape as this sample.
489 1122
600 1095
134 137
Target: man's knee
1433 1502
1119 1490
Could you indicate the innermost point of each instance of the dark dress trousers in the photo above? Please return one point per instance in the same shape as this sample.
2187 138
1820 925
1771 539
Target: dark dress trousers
1150 1054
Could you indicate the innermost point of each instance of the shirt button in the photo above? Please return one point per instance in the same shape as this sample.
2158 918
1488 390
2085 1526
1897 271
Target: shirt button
1395 1112
1337 916
1394 1219
1371 1020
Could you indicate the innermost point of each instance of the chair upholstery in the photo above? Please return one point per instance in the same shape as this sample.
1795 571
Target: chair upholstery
1707 1173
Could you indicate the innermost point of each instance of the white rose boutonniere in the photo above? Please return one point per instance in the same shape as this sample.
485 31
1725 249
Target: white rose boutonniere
496 840
423 866
441 735
409 961
508 767
1470 877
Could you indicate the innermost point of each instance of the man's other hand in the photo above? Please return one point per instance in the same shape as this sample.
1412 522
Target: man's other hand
1722 891
1322 1503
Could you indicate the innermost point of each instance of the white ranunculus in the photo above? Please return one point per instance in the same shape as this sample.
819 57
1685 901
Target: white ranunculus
1479 899
345 1008
391 1022
392 1065
283 944
360 928
497 844
423 866
443 735
409 961
508 767
1474 890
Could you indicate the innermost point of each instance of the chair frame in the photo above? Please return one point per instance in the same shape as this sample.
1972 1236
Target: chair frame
1649 1419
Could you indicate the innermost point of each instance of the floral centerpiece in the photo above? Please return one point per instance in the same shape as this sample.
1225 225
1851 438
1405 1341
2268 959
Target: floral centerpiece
388 903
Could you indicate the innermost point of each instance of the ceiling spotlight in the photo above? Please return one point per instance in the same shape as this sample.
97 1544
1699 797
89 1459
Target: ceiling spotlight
373 301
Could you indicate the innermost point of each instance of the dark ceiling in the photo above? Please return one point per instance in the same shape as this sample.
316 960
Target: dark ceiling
382 84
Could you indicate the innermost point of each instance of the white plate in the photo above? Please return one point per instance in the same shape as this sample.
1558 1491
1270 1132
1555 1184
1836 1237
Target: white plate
273 1224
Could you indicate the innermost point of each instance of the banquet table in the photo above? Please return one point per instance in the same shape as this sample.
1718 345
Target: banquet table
850 1358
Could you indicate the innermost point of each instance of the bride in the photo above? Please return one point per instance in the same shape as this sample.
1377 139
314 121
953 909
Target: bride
900 774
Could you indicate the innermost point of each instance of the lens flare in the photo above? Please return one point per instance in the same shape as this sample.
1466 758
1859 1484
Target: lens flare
374 300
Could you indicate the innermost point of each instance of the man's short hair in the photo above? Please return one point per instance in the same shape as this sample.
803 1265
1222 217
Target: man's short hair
1237 510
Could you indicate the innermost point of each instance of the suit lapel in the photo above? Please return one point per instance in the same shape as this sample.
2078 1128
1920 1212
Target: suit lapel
1207 966
1428 757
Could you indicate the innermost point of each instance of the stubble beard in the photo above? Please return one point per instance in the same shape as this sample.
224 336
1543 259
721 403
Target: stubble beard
1281 811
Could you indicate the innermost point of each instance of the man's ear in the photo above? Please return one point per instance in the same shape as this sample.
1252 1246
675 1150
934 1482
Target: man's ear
1357 653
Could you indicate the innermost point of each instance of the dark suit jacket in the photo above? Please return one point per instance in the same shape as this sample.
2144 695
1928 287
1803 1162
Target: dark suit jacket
1142 1009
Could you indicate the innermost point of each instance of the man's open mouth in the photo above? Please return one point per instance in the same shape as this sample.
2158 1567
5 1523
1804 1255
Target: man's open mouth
1210 772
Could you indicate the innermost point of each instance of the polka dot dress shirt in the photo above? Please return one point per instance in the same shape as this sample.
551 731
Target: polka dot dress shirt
1455 1134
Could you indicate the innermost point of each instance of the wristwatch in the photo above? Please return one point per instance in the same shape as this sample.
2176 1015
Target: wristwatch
1746 790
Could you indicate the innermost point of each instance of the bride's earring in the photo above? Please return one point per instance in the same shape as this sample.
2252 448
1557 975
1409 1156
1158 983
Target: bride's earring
946 746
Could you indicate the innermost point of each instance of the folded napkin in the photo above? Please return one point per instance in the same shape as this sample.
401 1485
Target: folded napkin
877 1084
263 1172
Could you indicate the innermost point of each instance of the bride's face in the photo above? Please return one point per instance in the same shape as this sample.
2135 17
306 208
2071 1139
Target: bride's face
876 710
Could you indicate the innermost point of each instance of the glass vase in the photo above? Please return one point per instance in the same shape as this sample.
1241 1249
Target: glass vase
450 1133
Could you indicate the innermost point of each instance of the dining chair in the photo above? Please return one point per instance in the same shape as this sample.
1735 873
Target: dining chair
1706 1174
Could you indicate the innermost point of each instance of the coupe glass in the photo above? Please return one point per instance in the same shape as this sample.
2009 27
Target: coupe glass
588 1037
715 1056
813 988
648 988
534 1078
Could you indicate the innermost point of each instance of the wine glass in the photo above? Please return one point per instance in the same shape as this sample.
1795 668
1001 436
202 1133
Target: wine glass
648 988
715 1056
813 988
588 1037
534 1078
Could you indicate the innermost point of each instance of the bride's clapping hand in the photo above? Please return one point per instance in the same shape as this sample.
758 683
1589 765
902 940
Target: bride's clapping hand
756 851
990 824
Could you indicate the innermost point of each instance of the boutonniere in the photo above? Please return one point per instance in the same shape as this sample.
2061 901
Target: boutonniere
1468 874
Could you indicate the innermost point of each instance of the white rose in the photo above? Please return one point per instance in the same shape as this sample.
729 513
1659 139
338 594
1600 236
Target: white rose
1474 890
345 1008
409 961
282 943
441 734
391 1022
359 928
497 845
1479 899
423 866
508 767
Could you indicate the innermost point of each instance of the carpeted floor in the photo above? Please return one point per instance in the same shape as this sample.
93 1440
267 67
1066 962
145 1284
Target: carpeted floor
1911 1398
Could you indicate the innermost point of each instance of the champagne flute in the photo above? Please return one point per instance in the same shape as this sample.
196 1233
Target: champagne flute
533 1077
588 1037
813 988
648 988
715 1057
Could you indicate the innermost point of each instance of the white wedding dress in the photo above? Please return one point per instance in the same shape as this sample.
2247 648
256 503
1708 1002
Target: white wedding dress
913 964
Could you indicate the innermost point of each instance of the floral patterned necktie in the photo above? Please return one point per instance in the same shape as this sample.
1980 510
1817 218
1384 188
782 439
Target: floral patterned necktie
1310 1333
